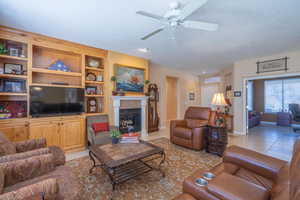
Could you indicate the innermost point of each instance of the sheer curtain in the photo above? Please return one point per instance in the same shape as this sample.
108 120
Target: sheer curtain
273 96
291 92
250 95
280 93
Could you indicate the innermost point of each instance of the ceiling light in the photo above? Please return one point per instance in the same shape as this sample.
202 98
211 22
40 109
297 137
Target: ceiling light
144 50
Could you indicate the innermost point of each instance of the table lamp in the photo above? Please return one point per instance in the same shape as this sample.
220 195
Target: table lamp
219 101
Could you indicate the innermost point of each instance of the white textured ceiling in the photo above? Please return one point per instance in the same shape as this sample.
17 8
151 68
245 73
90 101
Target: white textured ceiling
248 28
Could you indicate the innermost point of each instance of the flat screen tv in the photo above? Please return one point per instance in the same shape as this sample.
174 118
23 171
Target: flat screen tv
51 101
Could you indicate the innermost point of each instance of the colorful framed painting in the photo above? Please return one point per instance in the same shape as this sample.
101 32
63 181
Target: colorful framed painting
129 79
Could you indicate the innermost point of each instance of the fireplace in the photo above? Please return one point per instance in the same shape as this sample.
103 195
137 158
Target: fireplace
126 102
130 120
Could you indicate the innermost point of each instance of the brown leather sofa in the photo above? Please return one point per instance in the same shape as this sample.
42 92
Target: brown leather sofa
38 177
24 149
248 175
190 131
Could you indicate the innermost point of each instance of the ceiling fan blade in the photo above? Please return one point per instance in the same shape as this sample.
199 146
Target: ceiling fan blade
201 25
190 8
154 16
153 33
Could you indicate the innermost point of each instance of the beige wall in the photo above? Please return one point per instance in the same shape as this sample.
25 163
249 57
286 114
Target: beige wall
246 69
186 82
121 59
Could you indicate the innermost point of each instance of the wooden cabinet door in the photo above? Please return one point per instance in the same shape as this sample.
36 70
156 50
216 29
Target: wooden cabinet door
15 132
72 133
49 130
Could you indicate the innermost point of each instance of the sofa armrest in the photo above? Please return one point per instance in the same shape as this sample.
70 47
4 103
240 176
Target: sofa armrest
263 165
175 123
237 189
45 189
29 145
91 135
24 155
25 169
59 157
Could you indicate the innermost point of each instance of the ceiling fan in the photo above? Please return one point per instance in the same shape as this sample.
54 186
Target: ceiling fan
177 16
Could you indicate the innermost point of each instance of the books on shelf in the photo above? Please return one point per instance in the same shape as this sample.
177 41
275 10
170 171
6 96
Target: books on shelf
130 138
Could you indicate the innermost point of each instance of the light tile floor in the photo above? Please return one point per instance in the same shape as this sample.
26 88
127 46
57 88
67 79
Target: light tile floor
267 139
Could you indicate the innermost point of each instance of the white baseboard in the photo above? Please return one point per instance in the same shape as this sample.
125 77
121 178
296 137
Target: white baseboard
237 133
162 127
265 122
275 124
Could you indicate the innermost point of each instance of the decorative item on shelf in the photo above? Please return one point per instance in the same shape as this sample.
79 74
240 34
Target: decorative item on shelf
91 90
101 90
153 116
13 85
129 79
23 53
115 135
219 101
13 109
121 92
93 62
91 76
100 78
3 50
13 51
92 105
4 113
10 68
59 66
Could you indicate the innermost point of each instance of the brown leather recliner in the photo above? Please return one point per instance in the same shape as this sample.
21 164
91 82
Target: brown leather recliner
190 131
248 175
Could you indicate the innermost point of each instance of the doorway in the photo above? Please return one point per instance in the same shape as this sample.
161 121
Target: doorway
267 100
172 98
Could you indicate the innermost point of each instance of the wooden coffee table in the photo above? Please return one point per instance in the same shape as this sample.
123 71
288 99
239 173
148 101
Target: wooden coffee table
125 161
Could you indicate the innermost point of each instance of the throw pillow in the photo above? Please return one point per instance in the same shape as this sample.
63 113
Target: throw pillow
100 127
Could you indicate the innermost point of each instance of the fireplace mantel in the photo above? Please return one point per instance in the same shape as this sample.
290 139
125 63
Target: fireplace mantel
117 102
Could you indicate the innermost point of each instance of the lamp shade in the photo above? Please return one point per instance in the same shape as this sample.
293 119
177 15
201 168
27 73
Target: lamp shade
219 100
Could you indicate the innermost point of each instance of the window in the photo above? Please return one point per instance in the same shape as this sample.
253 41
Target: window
280 93
214 79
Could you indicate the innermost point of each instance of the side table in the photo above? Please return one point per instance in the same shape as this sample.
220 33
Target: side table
216 140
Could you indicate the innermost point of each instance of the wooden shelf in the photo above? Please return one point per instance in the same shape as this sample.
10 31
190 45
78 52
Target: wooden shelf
13 57
94 69
94 95
54 85
47 71
13 76
12 94
94 82
95 114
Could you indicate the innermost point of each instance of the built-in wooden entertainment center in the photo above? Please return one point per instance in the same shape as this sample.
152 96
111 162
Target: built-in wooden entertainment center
38 53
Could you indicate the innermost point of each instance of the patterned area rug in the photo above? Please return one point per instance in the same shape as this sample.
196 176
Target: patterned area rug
180 163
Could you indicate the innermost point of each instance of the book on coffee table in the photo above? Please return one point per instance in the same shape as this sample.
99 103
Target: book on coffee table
130 138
